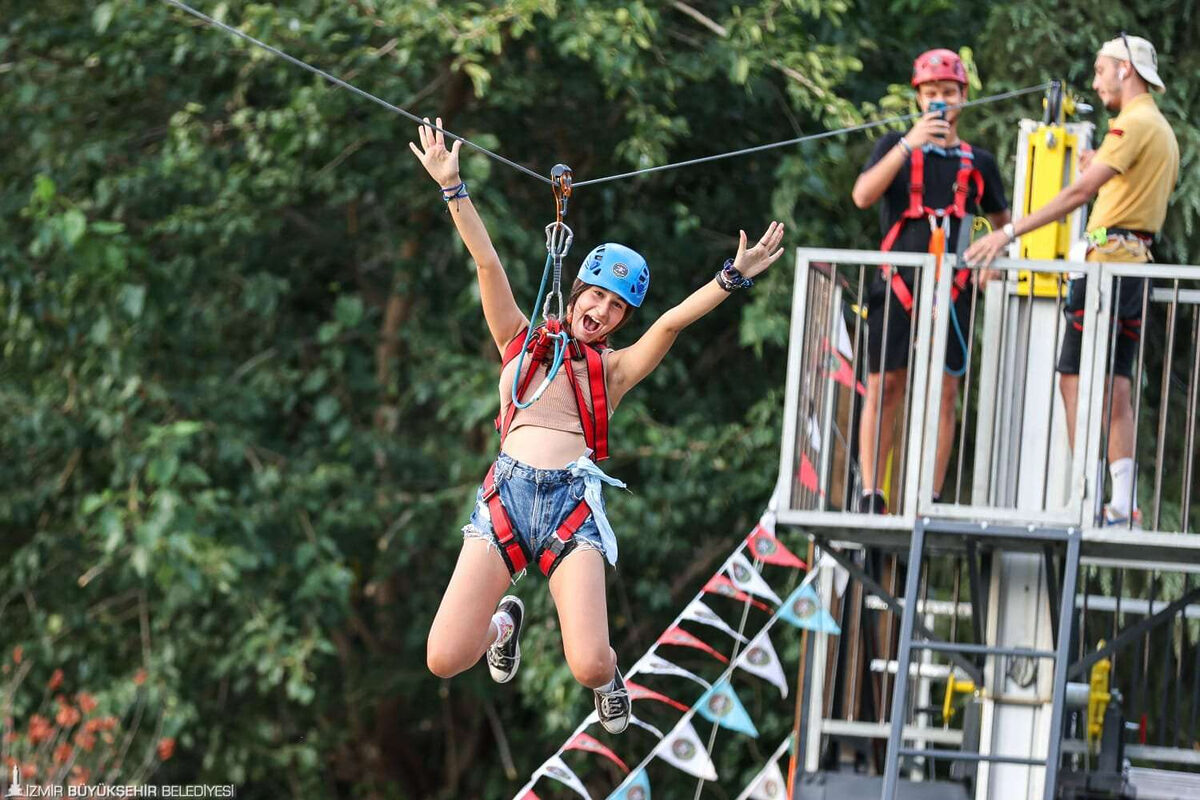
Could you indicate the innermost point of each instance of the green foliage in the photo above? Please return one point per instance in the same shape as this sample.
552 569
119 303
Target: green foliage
246 391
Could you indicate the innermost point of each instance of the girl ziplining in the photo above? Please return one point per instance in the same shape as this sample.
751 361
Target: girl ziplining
541 500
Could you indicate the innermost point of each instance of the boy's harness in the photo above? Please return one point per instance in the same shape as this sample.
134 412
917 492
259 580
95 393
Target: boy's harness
967 173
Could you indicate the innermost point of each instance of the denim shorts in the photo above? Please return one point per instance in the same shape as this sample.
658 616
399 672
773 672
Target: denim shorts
537 501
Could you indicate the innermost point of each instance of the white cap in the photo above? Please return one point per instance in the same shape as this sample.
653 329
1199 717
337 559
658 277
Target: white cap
1140 53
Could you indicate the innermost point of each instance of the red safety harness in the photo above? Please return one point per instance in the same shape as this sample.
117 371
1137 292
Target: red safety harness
967 173
595 434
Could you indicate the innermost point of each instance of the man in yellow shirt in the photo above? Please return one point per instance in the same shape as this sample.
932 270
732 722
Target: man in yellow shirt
1131 176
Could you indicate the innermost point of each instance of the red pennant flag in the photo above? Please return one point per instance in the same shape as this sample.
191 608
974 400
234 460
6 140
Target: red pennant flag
639 692
839 369
592 745
720 584
808 475
529 795
766 547
678 636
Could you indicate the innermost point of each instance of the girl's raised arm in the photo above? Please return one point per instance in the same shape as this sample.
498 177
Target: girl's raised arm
504 317
630 365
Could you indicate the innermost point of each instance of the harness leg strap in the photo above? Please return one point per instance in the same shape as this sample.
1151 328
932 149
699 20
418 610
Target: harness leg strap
563 540
515 556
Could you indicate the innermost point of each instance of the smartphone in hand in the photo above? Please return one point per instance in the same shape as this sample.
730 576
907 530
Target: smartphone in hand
940 107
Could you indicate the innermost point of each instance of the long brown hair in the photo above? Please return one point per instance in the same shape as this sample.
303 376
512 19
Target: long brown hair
577 289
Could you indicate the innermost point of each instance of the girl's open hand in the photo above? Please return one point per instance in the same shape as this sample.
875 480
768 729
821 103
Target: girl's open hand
754 261
440 163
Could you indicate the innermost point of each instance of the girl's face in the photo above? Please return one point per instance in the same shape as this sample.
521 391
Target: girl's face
595 314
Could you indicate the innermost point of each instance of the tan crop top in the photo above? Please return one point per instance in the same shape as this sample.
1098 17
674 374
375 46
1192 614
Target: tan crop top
557 408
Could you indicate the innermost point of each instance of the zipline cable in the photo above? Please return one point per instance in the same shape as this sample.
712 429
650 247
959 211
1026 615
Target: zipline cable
1041 87
339 82
702 160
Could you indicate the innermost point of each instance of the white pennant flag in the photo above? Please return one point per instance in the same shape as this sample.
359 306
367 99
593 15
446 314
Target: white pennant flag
682 749
769 785
593 718
746 578
699 612
841 577
660 666
760 659
556 768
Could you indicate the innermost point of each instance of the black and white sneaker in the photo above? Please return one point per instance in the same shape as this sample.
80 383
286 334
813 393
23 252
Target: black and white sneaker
503 658
613 706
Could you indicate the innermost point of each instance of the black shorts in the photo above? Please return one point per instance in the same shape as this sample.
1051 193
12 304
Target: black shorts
1128 321
899 327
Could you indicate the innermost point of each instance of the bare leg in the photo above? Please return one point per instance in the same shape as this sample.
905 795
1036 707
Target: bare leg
1068 385
462 630
891 384
578 590
946 419
1120 431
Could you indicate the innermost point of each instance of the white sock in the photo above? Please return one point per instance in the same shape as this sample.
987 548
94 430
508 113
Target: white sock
504 625
1121 472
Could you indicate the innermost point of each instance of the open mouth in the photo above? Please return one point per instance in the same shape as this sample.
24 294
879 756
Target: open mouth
590 324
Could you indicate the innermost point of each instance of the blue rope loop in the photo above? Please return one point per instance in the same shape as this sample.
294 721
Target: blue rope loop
561 340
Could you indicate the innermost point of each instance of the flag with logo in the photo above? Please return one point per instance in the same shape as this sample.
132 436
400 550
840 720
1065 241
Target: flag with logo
720 584
678 636
746 578
656 665
635 787
682 749
581 741
720 705
697 611
557 769
639 692
767 785
760 659
803 609
765 547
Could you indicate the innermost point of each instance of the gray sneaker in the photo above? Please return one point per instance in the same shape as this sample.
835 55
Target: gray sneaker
614 706
503 659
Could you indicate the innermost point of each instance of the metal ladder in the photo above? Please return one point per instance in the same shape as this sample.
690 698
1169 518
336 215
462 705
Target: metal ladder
1027 537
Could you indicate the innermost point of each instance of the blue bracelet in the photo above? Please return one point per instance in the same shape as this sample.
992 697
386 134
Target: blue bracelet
455 192
733 278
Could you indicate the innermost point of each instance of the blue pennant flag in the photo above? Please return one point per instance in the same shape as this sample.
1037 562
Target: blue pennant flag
803 609
635 787
720 705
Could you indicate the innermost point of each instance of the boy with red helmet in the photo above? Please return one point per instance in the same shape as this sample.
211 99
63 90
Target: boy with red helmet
919 178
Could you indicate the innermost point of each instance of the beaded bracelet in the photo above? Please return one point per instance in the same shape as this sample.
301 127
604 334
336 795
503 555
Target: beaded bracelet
455 192
728 278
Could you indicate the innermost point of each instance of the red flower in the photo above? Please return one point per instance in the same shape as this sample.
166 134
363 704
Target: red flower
85 740
166 748
39 729
62 753
18 652
55 680
86 702
139 678
67 716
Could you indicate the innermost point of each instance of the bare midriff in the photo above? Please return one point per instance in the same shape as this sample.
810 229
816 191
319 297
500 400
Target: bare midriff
544 448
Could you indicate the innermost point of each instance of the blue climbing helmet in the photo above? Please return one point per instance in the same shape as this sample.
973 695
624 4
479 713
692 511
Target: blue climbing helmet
618 268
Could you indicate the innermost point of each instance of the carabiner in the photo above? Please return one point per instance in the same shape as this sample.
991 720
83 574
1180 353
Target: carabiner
560 180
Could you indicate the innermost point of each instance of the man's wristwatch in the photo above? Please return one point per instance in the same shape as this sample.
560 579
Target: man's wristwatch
1009 231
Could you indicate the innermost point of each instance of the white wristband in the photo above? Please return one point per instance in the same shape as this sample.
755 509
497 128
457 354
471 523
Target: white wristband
1009 231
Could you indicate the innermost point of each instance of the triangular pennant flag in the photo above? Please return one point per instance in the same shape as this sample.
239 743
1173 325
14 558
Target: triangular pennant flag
682 749
841 576
746 578
698 612
557 769
767 785
720 705
639 692
635 787
528 795
808 475
593 718
678 636
581 741
814 433
719 584
765 547
660 666
760 659
840 370
803 609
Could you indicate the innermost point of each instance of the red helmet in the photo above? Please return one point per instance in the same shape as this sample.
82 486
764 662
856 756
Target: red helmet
939 65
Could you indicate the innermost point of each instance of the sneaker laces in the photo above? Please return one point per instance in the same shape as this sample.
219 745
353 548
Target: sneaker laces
614 703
